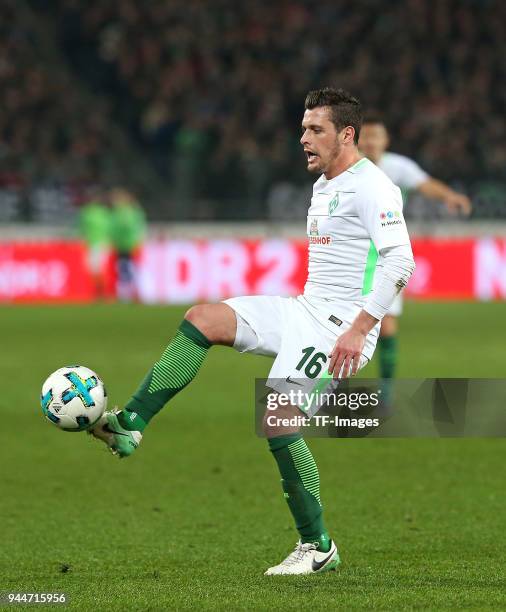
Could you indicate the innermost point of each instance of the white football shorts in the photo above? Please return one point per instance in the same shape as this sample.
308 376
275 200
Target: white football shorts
97 258
300 333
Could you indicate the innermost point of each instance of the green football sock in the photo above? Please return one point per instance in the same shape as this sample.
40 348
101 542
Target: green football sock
176 368
387 349
301 485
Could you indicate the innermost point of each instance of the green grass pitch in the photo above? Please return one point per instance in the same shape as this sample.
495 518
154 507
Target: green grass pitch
192 520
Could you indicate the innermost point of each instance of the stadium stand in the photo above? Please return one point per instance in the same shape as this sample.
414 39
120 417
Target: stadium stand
56 138
212 95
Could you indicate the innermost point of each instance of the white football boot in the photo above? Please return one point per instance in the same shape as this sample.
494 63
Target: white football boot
306 559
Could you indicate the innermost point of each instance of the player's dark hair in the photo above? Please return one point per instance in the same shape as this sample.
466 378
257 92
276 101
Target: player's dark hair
373 118
345 108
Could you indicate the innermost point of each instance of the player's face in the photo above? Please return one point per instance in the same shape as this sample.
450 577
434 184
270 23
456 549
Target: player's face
373 141
320 139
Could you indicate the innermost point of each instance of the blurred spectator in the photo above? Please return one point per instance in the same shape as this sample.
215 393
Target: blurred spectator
95 229
51 135
212 94
240 72
128 229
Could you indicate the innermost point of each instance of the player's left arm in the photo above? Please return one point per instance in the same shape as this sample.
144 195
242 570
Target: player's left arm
379 207
398 266
349 346
437 190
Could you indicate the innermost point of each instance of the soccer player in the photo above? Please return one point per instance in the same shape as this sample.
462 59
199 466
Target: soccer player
359 258
128 228
94 227
406 174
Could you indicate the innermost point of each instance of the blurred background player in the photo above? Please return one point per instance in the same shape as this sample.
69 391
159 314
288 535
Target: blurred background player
94 228
128 230
406 174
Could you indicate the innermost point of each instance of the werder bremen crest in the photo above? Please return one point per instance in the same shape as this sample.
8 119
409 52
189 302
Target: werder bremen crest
313 230
333 204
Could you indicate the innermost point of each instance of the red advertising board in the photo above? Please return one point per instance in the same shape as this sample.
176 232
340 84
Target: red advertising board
444 269
191 271
52 271
450 269
187 271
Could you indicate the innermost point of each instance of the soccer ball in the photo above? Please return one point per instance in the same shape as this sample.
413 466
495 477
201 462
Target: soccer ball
73 398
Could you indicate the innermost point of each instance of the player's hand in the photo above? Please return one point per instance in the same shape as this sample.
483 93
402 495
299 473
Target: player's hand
346 353
458 202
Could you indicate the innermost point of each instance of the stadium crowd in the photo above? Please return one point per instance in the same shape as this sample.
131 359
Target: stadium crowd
46 131
215 90
221 85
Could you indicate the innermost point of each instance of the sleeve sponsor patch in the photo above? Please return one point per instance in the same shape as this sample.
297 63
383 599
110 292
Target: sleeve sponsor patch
390 217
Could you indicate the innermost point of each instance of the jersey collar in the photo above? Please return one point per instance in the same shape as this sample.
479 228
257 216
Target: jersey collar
322 185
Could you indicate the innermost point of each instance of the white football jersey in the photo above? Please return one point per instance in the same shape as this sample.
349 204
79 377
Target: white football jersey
402 171
352 217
